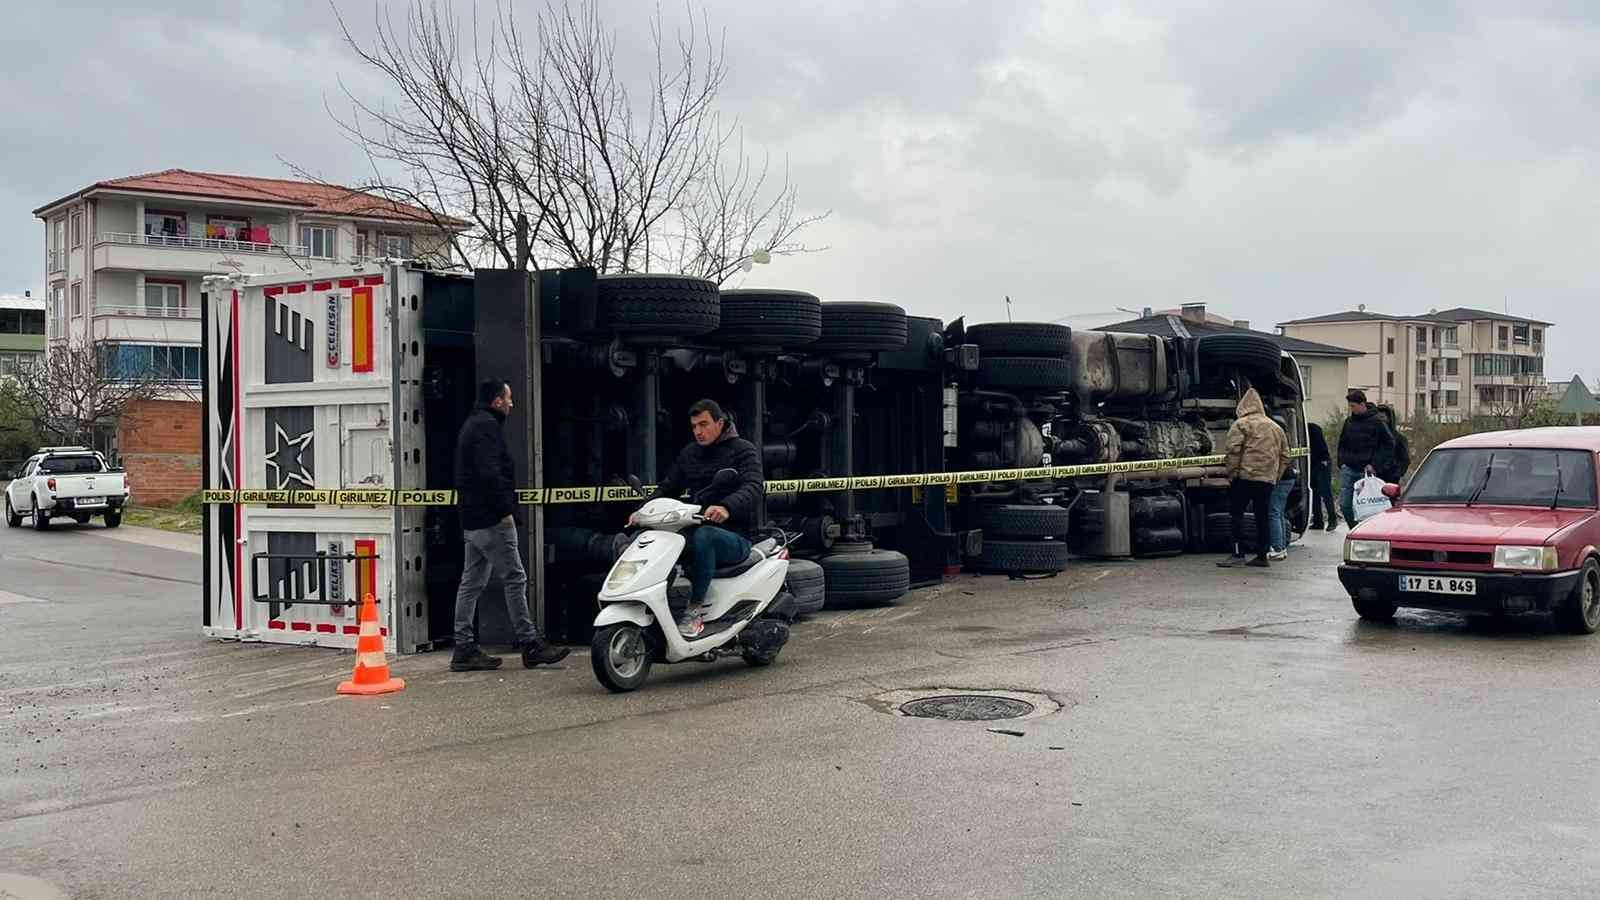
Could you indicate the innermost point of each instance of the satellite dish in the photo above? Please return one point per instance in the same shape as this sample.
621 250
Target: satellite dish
1361 308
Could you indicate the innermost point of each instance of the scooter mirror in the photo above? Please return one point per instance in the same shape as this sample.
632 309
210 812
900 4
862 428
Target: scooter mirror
636 484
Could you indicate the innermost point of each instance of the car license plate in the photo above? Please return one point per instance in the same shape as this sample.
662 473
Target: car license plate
1434 584
91 503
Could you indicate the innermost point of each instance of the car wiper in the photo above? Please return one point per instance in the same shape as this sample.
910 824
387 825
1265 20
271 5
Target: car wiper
1488 472
1559 483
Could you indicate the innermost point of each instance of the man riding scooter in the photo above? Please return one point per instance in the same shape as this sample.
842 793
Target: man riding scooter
716 446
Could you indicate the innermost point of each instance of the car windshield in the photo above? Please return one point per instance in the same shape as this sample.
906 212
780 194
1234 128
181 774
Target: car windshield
70 465
1506 477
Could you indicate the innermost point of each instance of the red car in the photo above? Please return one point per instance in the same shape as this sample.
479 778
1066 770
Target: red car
1491 524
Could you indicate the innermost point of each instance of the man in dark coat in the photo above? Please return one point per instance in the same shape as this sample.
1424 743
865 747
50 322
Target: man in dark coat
1365 441
487 497
1321 482
716 446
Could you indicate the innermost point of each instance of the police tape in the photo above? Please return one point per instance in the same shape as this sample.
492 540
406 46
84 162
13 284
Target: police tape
380 497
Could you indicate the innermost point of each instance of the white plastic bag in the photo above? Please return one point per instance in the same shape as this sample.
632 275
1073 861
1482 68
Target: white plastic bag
1369 500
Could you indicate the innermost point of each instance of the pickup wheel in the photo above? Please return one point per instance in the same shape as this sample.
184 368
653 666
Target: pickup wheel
1374 610
41 519
1580 614
114 519
13 519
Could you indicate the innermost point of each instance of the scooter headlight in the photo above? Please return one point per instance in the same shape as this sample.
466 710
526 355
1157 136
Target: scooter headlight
623 573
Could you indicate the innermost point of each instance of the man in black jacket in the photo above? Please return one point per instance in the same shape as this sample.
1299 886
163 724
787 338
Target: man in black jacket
1365 441
487 497
1321 482
716 446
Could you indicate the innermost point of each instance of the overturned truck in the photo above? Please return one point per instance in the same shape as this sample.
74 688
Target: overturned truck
900 448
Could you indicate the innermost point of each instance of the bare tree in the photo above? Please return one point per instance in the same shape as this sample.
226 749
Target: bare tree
543 148
72 395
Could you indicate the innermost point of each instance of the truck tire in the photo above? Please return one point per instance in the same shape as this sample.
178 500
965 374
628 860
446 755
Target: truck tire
13 519
41 519
1024 372
862 327
1019 521
769 318
1022 339
114 519
1254 354
657 305
808 583
871 578
1023 557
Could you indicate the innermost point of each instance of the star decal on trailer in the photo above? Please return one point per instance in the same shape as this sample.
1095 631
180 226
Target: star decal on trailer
287 461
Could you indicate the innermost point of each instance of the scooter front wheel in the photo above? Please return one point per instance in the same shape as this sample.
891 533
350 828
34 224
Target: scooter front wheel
620 655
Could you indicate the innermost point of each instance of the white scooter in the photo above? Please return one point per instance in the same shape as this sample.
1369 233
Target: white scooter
746 612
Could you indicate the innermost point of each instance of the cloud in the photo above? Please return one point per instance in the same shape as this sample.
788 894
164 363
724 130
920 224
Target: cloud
1274 160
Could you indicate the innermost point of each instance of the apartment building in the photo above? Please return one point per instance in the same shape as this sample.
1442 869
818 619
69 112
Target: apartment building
21 331
1448 365
124 263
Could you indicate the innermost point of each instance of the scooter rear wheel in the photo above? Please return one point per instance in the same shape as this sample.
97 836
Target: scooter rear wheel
621 657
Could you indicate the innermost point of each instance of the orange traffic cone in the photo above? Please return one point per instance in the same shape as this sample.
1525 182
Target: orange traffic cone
372 667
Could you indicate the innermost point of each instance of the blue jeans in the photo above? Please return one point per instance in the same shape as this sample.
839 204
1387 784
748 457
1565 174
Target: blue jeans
1278 514
711 548
1347 494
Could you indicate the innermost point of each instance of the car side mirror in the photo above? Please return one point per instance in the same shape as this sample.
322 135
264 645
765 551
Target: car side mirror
1392 491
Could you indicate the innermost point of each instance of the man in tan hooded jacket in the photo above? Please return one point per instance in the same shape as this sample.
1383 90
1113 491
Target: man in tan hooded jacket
1257 456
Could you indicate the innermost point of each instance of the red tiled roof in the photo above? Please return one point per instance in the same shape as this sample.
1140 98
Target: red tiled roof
331 199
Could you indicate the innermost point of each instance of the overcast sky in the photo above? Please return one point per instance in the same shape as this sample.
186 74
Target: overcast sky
1272 159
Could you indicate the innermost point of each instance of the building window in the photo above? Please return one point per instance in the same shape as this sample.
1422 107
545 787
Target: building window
1435 365
361 245
21 321
1305 379
1422 402
131 361
165 223
1391 345
1388 379
77 230
1538 337
1449 338
1519 335
58 309
318 240
1422 371
164 298
1452 399
1505 334
77 299
1422 340
397 245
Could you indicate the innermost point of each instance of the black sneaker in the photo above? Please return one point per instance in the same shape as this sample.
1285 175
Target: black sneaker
472 659
1231 562
1259 562
539 653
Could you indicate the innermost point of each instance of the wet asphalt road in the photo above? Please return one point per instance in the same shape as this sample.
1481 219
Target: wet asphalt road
1222 733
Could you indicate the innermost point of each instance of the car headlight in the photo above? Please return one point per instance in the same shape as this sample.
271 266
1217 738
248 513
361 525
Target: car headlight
1366 551
1525 559
623 573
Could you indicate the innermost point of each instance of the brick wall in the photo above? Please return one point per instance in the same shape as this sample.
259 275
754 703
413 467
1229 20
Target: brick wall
159 442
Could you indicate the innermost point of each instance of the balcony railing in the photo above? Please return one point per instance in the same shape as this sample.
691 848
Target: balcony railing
147 312
57 260
195 242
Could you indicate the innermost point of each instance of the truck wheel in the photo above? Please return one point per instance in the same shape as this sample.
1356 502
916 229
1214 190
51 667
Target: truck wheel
13 520
114 519
1374 610
1580 614
620 656
808 583
1022 339
862 327
769 319
41 519
1253 354
1024 372
1023 557
657 305
872 578
1020 521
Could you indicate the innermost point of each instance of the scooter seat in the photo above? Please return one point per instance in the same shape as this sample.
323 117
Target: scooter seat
739 568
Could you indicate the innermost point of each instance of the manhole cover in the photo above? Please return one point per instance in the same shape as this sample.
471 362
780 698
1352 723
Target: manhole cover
967 708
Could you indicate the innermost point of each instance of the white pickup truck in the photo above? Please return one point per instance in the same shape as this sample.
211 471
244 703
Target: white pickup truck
66 483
